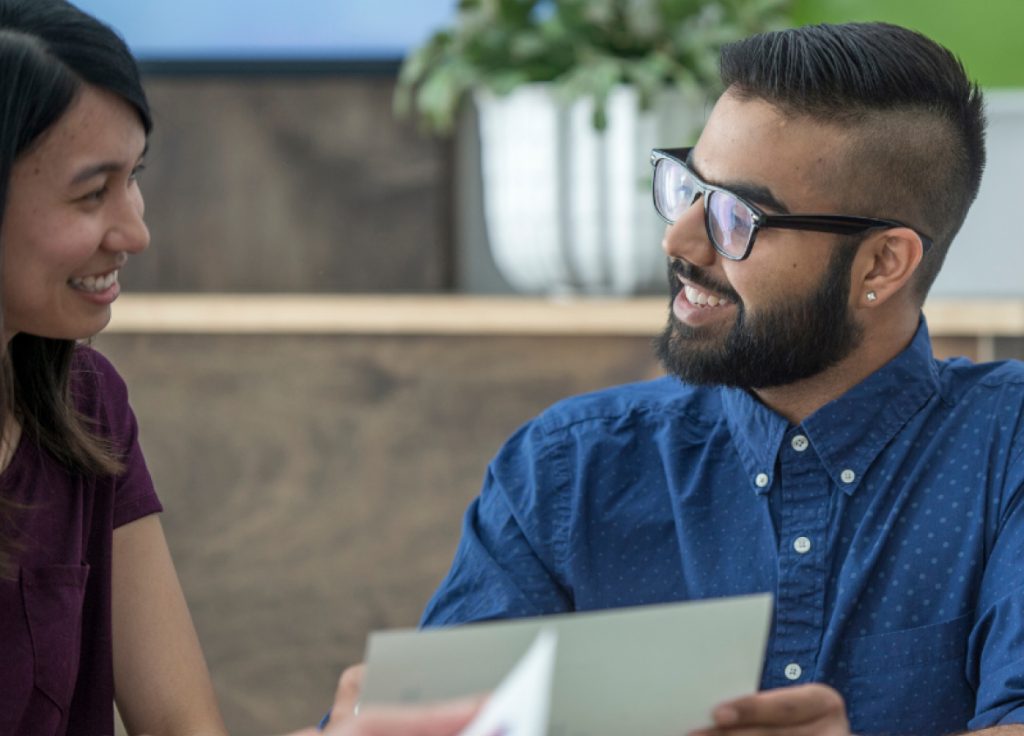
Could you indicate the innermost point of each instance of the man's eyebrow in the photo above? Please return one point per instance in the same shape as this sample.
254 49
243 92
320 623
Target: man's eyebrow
105 167
755 193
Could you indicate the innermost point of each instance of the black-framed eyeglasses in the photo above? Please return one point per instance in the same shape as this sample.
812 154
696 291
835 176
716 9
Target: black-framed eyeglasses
730 220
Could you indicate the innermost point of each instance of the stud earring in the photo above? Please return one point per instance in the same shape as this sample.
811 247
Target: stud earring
871 296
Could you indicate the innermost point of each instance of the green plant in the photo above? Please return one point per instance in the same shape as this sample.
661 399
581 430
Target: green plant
585 47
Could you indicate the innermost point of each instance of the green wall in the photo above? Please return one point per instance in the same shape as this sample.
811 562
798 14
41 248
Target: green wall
987 35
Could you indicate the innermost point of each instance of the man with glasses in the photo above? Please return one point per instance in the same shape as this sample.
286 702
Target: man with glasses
806 442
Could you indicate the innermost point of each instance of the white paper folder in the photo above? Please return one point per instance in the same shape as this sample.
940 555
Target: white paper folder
649 671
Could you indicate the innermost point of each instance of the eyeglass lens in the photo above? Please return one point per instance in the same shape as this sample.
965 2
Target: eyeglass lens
729 221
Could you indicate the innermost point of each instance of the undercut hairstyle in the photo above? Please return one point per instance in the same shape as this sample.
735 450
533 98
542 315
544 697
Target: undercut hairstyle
913 121
49 50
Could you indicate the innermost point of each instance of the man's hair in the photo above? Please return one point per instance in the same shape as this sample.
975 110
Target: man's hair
915 122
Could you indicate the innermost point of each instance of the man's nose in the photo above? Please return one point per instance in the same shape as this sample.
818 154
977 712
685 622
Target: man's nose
687 238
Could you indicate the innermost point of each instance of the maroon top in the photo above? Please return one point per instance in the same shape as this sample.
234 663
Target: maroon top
56 662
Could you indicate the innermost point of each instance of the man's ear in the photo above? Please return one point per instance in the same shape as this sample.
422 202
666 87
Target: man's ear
885 262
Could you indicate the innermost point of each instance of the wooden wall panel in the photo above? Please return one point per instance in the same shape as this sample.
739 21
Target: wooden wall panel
951 346
290 183
1009 348
314 486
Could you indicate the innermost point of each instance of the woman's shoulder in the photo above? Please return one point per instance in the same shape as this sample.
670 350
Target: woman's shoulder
88 358
97 389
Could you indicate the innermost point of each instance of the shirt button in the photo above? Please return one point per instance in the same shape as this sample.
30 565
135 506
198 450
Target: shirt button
802 545
848 476
799 443
793 671
761 480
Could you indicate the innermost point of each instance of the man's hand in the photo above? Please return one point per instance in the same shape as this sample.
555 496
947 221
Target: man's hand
802 710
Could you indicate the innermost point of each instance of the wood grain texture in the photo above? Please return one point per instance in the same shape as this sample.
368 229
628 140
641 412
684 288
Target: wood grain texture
291 184
314 486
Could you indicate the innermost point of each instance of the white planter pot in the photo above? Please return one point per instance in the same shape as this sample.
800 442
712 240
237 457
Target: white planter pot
567 208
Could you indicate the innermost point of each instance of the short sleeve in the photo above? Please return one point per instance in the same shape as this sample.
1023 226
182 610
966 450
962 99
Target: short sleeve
101 395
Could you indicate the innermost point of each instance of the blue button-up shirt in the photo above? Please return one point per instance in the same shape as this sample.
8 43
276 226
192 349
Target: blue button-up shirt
889 525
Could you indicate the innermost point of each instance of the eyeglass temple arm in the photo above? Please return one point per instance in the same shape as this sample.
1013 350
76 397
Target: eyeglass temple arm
839 224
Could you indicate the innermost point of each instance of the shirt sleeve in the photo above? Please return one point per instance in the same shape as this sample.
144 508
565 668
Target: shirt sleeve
513 538
996 644
134 493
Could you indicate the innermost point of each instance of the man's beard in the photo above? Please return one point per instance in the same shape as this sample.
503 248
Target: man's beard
778 346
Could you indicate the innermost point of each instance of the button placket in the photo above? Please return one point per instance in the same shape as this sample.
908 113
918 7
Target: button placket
804 488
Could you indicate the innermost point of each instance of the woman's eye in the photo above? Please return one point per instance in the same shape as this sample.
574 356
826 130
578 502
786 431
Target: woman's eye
96 195
137 172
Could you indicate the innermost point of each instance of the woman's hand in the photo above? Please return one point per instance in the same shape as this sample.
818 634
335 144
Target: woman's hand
442 719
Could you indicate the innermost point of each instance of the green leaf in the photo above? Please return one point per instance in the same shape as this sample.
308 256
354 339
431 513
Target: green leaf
585 47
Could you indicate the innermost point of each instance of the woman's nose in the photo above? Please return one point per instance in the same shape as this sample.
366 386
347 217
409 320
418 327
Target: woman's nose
128 231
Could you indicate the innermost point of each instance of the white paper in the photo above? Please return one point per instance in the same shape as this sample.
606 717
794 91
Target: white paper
520 705
653 670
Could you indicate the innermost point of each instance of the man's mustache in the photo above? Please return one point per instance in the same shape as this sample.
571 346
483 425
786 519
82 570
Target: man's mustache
695 275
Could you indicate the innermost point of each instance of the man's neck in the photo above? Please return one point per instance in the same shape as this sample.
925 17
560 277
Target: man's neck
797 401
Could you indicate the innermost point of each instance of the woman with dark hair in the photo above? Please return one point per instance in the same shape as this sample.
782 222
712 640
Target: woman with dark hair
90 605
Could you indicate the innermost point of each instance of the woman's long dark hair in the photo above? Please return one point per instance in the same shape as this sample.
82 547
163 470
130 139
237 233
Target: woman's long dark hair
49 49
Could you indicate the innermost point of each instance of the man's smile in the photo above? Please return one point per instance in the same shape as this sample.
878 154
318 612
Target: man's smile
701 298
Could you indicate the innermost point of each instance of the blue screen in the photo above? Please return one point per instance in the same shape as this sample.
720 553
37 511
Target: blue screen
272 29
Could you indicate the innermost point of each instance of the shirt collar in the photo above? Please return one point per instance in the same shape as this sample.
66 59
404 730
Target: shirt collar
848 433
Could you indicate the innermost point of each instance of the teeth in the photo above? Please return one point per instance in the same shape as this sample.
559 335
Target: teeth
700 298
95 284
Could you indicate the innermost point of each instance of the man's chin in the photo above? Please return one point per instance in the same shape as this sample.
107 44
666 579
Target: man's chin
694 355
697 336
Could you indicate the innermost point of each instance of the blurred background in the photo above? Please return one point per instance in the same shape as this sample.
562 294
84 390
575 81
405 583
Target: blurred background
345 311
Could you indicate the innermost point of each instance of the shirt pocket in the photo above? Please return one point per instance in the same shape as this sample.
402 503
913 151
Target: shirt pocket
53 597
883 676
